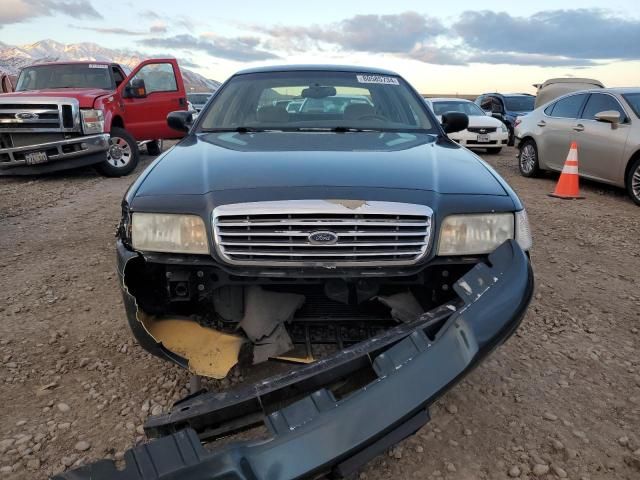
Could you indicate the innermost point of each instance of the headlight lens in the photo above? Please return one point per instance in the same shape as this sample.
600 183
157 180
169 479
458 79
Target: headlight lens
503 128
474 234
92 121
523 231
170 233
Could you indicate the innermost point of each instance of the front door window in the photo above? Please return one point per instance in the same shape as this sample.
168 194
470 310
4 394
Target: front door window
158 77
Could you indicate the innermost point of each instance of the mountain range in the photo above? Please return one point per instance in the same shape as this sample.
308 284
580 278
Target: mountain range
15 57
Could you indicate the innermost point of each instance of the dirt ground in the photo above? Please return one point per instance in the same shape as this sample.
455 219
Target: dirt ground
560 400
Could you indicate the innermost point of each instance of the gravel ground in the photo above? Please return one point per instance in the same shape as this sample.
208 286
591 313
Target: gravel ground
560 400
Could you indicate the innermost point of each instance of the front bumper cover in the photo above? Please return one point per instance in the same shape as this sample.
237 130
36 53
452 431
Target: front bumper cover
469 139
317 433
64 154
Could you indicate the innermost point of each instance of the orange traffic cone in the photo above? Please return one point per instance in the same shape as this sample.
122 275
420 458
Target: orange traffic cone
568 186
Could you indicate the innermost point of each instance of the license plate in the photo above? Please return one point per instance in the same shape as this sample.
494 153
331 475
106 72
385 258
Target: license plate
483 138
35 158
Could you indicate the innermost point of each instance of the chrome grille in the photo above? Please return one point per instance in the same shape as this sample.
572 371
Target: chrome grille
482 129
277 233
42 115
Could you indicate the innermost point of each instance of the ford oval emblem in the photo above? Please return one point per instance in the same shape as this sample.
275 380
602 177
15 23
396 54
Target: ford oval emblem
323 237
26 116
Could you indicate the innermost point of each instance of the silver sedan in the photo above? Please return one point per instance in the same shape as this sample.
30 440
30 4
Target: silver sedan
604 122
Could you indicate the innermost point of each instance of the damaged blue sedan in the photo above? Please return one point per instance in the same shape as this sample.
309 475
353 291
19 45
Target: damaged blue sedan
347 258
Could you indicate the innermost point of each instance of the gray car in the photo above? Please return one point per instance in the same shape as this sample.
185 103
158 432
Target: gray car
605 123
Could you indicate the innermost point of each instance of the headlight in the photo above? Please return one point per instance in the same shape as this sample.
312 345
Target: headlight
155 232
503 128
474 234
523 231
92 121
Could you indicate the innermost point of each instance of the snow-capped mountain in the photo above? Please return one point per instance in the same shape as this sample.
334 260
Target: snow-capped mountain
13 58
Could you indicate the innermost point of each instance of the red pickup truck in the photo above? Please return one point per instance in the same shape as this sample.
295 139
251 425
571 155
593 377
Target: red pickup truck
70 114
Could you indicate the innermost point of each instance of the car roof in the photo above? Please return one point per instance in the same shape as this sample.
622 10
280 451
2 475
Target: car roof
316 68
589 81
509 94
618 90
448 99
74 62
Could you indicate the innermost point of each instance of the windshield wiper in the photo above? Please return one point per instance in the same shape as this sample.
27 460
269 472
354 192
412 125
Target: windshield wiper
338 129
241 129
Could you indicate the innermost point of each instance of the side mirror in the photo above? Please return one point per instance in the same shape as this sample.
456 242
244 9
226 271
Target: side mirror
180 120
454 121
609 116
496 115
136 89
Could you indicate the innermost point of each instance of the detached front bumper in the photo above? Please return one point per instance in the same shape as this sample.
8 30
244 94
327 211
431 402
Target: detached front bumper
318 433
61 155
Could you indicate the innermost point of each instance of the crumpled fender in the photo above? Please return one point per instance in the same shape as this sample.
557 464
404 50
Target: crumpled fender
203 351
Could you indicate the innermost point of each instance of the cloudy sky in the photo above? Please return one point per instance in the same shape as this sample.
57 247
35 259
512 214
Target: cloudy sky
440 47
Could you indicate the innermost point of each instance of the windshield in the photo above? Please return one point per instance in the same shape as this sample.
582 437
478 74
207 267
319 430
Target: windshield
520 104
316 100
198 97
65 76
469 108
633 99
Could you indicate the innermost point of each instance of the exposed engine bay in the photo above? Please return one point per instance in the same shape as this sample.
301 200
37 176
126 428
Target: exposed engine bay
215 320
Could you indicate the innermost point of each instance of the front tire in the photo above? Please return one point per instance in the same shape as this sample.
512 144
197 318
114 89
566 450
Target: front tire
512 136
123 155
528 159
633 181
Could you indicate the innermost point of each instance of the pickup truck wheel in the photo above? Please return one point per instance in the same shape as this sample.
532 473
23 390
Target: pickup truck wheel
122 156
633 181
154 147
528 159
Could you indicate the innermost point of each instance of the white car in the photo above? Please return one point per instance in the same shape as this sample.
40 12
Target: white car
484 131
193 110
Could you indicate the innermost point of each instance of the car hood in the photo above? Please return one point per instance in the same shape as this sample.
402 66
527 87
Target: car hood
85 96
481 121
204 163
484 121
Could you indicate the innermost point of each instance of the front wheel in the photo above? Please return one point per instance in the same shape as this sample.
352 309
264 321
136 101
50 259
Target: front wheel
123 155
528 159
512 136
633 181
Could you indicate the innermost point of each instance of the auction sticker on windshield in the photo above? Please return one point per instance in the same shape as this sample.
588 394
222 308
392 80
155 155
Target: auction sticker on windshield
377 79
97 65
